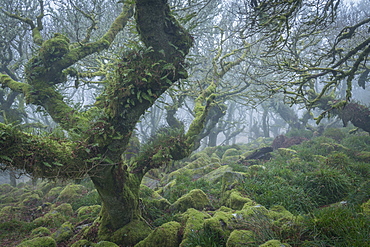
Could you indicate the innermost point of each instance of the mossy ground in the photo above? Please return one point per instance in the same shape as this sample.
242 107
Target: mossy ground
312 194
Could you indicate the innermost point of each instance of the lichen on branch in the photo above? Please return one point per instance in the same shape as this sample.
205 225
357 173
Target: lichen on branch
43 157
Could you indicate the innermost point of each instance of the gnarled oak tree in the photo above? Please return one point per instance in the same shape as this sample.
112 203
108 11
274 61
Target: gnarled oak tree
100 136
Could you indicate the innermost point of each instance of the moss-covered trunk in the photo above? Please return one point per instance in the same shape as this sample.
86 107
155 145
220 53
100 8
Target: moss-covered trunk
119 191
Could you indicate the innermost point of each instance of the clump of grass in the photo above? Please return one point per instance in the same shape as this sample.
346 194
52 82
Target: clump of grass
204 237
185 183
271 190
326 185
340 226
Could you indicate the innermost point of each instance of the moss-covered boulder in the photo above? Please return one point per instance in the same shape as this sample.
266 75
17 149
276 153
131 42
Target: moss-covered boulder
216 175
83 243
287 152
105 244
40 232
230 159
231 152
88 212
194 220
65 209
231 180
274 243
39 242
132 233
6 188
240 238
32 200
167 235
221 223
53 194
8 213
198 155
200 162
194 199
71 193
215 158
64 233
278 212
236 201
248 211
51 219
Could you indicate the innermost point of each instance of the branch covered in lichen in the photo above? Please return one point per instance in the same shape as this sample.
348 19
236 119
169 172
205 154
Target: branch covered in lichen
172 143
16 86
103 43
36 29
44 157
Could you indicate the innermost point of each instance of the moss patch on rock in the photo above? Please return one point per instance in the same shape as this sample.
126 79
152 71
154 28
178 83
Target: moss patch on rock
194 199
274 243
166 235
64 233
71 192
241 238
65 209
40 232
194 220
236 201
88 212
132 233
51 219
39 242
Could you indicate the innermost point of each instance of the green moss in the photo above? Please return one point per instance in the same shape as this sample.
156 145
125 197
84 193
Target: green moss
132 233
241 238
65 209
39 242
194 220
274 243
366 207
231 152
194 199
11 213
278 212
51 219
33 200
200 162
334 133
40 232
6 188
88 212
363 156
217 174
287 152
215 158
71 193
198 155
237 201
166 235
230 159
225 209
220 223
52 194
106 244
248 211
54 48
64 233
230 180
83 243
